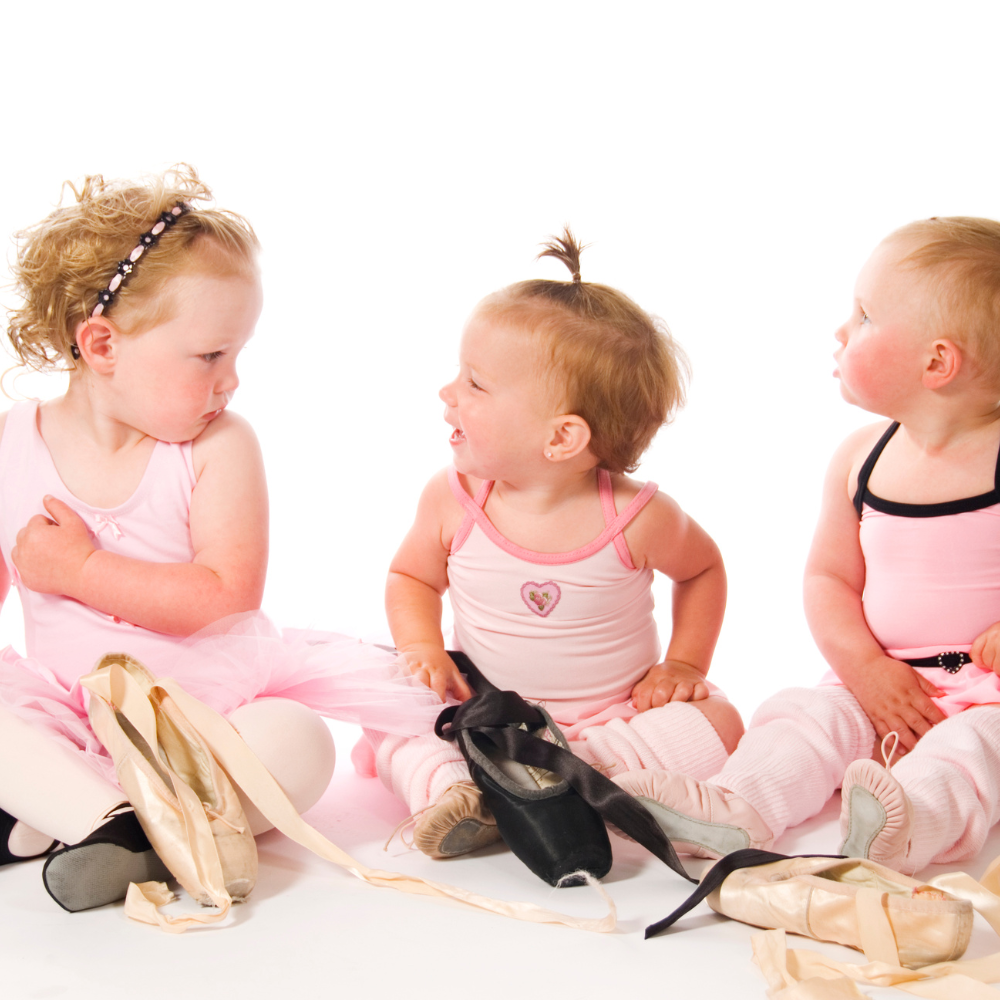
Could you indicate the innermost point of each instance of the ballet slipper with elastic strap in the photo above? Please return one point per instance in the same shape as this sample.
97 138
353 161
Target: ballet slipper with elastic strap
135 711
458 823
875 814
700 819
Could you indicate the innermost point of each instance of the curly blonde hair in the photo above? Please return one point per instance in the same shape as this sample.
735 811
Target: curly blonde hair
68 258
619 368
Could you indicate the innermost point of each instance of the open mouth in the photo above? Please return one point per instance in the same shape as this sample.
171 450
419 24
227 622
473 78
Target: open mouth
457 436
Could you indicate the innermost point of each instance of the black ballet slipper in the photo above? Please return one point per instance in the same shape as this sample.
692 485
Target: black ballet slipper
7 857
100 867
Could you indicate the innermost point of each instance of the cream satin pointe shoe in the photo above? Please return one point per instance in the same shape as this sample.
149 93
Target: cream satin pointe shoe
890 917
875 815
182 797
700 819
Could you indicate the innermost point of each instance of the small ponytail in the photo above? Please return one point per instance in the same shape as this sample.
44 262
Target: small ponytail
567 249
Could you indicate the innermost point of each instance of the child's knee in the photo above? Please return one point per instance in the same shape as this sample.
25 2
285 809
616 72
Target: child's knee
725 720
294 744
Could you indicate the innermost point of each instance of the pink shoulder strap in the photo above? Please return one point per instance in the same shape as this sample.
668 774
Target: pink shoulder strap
619 521
17 443
473 506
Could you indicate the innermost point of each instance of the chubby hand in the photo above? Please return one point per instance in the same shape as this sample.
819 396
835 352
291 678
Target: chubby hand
897 698
432 666
49 553
671 680
985 650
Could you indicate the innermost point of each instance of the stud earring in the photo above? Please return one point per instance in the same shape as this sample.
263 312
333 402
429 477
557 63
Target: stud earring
548 454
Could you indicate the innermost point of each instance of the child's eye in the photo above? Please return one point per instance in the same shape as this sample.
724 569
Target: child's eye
473 385
864 317
213 356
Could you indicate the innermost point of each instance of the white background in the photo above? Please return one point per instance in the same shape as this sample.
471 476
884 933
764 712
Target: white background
732 165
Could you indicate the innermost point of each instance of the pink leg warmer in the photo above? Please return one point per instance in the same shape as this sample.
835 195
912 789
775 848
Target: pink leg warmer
417 769
952 779
675 737
793 756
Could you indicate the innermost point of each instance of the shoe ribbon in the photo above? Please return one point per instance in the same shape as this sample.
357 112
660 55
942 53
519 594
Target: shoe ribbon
116 688
500 716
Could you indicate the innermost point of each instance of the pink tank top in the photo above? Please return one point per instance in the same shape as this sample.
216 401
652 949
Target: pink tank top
573 630
64 635
932 571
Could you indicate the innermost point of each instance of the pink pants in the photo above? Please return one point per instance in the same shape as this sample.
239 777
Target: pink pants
678 736
800 742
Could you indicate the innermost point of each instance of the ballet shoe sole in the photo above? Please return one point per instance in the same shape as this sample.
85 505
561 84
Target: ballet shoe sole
697 837
876 815
99 874
467 836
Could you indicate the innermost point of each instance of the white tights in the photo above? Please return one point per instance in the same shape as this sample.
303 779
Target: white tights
51 789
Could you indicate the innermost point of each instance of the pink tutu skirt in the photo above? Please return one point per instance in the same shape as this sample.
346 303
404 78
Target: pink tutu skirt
231 663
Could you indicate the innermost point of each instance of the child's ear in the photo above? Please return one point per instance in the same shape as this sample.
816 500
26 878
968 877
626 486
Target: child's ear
943 363
95 340
570 435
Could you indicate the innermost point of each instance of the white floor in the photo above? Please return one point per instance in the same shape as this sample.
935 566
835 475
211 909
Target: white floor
312 929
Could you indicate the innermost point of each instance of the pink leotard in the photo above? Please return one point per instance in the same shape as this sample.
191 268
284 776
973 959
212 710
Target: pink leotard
932 580
573 630
236 661
151 525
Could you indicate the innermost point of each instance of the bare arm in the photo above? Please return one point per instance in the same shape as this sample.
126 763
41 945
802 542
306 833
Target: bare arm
418 577
228 523
666 539
895 697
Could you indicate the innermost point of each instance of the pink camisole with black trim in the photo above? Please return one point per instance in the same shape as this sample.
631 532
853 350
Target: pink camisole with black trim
573 630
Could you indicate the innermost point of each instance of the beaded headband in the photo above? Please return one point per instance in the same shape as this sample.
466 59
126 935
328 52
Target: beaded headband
127 266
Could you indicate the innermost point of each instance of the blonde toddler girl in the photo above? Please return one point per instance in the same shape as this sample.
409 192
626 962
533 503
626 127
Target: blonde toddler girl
133 515
548 551
902 586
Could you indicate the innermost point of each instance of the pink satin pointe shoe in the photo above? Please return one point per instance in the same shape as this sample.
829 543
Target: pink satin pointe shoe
875 815
700 819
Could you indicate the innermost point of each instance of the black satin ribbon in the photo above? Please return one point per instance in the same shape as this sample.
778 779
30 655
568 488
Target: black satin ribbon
497 714
749 857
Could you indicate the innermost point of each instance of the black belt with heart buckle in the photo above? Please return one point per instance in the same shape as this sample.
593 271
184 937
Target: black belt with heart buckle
952 661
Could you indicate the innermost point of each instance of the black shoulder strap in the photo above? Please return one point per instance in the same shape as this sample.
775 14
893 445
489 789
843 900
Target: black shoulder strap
873 457
996 475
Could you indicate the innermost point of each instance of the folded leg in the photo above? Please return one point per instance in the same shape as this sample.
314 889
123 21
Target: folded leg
938 803
674 737
790 761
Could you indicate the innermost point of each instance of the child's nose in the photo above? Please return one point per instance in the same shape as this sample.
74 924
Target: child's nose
228 384
841 335
447 394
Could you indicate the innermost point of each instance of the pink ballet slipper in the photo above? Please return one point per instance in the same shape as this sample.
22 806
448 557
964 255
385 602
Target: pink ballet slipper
699 818
875 815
